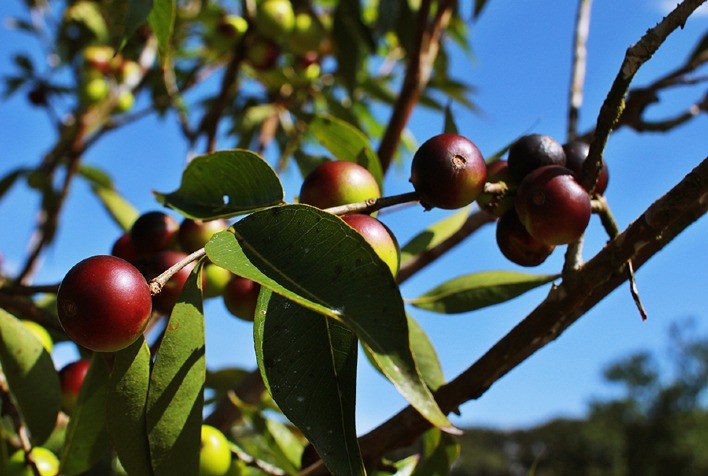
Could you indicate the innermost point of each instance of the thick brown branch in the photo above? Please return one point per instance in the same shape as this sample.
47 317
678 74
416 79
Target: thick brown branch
646 236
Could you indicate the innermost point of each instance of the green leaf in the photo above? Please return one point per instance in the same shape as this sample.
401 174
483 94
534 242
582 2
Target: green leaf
122 211
95 176
280 247
127 399
9 180
86 436
225 184
162 20
223 380
479 6
308 363
425 356
439 452
31 376
126 16
175 395
450 125
434 235
346 142
475 291
348 29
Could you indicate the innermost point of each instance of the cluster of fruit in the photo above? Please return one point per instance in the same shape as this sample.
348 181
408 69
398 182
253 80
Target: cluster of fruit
104 302
544 204
106 72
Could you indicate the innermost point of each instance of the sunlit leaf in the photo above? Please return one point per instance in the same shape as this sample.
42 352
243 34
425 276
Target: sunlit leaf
126 16
434 235
86 437
126 419
308 363
175 395
31 376
475 291
224 184
162 19
118 208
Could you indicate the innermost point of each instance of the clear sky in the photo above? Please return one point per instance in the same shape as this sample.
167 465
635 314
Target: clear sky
520 69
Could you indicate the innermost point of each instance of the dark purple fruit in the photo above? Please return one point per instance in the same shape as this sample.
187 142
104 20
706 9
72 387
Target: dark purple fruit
552 205
104 303
576 152
531 152
517 245
123 248
336 183
448 171
241 297
491 203
152 232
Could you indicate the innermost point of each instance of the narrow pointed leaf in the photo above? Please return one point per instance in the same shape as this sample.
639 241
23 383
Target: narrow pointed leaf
162 19
475 291
175 395
434 235
86 436
126 16
31 376
282 246
225 184
308 363
122 211
450 125
345 142
9 180
127 398
439 452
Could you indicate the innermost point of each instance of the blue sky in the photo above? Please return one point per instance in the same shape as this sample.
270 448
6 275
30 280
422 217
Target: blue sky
521 70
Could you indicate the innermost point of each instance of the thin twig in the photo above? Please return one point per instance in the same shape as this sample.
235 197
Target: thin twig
159 281
580 53
373 204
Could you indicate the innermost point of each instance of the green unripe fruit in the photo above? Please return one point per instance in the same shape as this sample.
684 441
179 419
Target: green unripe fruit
95 90
125 101
332 184
215 453
99 58
275 19
307 35
216 279
40 333
379 236
46 462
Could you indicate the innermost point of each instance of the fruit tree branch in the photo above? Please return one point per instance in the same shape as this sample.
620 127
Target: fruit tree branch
647 235
580 54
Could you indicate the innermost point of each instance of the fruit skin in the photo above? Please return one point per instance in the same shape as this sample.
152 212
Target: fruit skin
123 248
379 236
166 299
152 232
94 90
194 234
215 453
336 183
262 54
531 152
498 172
46 462
104 303
275 19
71 377
40 333
517 245
307 34
576 152
553 206
215 280
241 297
124 101
99 58
448 171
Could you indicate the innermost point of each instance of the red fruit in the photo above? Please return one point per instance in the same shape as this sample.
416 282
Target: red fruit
262 54
152 232
576 153
194 234
498 172
166 299
517 245
379 236
531 152
336 183
123 248
104 303
241 297
448 171
553 206
71 377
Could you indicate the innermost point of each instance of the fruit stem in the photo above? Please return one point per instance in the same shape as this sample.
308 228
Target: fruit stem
158 282
373 204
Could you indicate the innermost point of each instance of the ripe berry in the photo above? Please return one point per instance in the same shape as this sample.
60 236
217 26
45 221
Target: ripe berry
104 303
336 183
553 206
241 297
498 172
531 152
71 377
262 54
152 232
194 234
448 171
123 248
576 153
517 245
379 236
166 299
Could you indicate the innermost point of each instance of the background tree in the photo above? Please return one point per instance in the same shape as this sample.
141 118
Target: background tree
299 83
